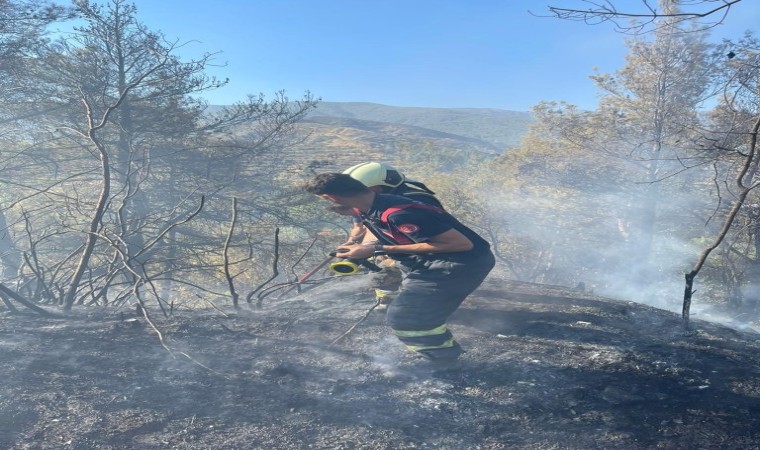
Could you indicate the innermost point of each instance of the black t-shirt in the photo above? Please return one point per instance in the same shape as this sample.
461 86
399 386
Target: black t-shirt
403 221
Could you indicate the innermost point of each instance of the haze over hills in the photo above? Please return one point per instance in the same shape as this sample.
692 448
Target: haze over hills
498 128
337 135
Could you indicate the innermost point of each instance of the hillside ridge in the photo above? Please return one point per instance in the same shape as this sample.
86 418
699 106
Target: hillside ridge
379 126
501 128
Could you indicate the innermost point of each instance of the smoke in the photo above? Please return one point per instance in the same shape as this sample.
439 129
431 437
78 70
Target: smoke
598 237
333 291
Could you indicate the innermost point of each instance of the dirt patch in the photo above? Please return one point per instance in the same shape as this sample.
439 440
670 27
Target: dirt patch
544 369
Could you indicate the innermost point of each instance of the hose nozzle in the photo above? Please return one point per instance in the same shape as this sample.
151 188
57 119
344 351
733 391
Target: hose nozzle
350 266
345 267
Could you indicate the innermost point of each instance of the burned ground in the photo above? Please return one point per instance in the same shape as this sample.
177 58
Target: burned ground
545 368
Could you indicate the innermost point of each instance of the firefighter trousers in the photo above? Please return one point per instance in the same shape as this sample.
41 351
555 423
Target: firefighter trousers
431 291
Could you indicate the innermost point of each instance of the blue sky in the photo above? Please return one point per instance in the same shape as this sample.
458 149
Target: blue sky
431 53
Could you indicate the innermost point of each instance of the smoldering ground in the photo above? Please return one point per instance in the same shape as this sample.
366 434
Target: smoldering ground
544 368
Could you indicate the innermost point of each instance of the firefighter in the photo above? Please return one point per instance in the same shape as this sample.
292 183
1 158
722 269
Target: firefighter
442 260
385 179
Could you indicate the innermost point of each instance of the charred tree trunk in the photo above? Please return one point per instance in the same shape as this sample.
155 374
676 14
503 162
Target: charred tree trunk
10 257
97 217
745 184
227 274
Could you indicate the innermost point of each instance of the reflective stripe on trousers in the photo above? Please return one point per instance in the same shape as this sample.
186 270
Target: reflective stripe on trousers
438 337
430 293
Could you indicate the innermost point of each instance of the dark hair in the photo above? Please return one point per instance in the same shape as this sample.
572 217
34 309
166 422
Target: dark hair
335 184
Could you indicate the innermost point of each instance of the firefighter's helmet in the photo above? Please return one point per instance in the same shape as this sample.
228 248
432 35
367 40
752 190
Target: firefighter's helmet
375 174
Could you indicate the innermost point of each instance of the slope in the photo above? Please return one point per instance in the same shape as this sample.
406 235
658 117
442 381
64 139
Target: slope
546 368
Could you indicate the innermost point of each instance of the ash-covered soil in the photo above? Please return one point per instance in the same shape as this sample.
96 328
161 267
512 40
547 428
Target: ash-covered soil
544 369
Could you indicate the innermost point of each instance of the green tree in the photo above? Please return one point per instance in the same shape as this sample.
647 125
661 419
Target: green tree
643 128
652 104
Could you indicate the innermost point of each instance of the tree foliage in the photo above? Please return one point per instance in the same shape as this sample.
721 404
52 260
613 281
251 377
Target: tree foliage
114 206
680 119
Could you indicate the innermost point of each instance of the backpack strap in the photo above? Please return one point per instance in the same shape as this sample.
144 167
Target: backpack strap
417 193
418 186
381 235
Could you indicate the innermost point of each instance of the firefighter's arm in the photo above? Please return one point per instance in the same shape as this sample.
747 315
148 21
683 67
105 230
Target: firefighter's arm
450 241
357 233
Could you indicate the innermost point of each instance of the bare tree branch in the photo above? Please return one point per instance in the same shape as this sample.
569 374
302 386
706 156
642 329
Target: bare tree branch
597 12
226 254
275 270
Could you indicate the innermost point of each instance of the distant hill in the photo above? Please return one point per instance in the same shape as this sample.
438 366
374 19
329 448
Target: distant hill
498 128
338 135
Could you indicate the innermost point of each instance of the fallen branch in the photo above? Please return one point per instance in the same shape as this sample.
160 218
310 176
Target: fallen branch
8 303
377 303
14 296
